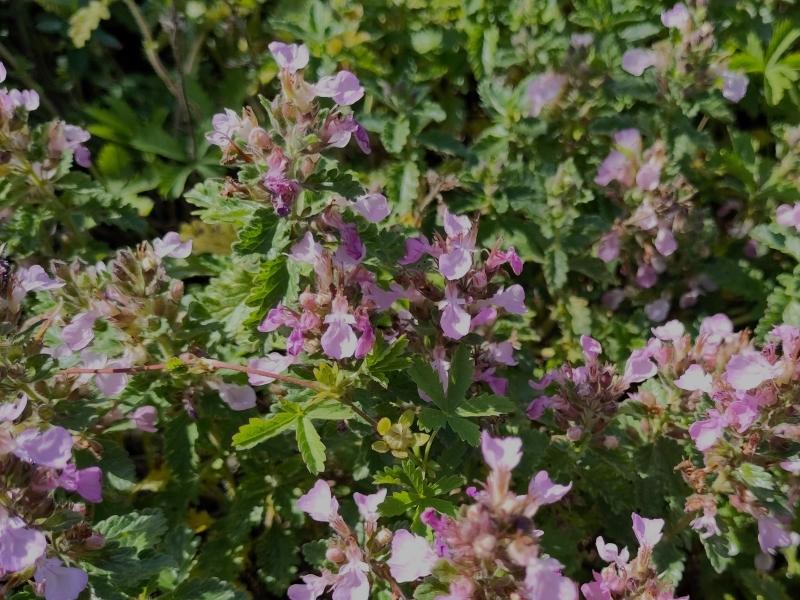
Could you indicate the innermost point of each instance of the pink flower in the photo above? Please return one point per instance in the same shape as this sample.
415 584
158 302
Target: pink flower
544 491
171 246
665 242
772 534
225 125
648 176
537 407
591 348
110 384
676 17
609 246
455 321
647 531
9 411
373 207
35 279
789 216
669 331
544 581
456 263
748 370
144 418
318 503
497 258
290 57
615 167
50 448
307 250
368 504
741 414
412 557
646 276
366 340
416 248
237 397
80 332
339 340
581 40
60 582
734 86
20 546
512 299
611 553
344 88
657 310
351 582
639 367
274 362
694 379
636 61
501 453
716 328
706 432
629 140
454 225
313 587
543 90
87 482
502 352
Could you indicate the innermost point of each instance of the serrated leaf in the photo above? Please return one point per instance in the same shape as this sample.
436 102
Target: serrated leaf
427 380
430 419
462 370
137 530
395 134
268 289
260 430
465 429
256 237
485 405
310 445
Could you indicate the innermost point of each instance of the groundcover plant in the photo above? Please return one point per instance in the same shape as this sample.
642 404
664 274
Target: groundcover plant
399 299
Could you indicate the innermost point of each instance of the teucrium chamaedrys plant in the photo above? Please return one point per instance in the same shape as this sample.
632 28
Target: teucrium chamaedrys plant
540 237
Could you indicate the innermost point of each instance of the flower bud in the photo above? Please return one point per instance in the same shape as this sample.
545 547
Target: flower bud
484 545
95 541
176 290
611 442
574 433
383 537
259 138
335 555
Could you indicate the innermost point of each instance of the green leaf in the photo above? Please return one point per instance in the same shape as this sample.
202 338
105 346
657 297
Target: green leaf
206 589
462 370
465 429
556 268
332 410
427 380
386 358
269 287
260 430
256 237
485 405
395 134
138 530
431 418
310 445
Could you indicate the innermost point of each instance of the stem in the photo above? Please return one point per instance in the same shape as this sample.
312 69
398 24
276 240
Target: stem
149 45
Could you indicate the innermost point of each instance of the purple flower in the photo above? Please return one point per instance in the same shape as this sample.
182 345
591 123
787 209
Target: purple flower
237 397
772 534
80 332
352 249
694 379
145 418
308 251
611 553
789 216
639 367
501 453
290 57
50 448
665 242
416 248
615 167
657 310
706 432
274 362
609 247
339 340
368 504
225 125
591 348
734 85
544 581
670 331
512 299
87 482
581 40
543 90
20 546
456 263
9 411
676 17
362 138
455 321
502 352
171 246
646 276
29 100
647 531
544 491
60 582
748 370
637 60
456 225
110 384
313 587
318 503
344 88
412 557
649 174
373 207
35 279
